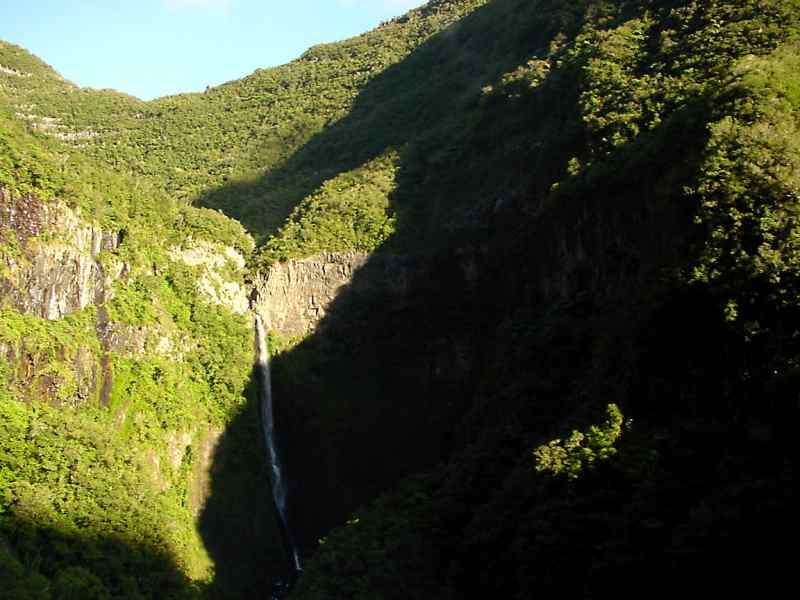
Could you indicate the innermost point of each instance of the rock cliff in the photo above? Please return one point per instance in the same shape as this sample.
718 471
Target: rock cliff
295 295
60 267
55 266
215 262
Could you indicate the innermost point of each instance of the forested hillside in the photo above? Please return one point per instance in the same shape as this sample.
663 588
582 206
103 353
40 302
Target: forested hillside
126 352
563 358
618 205
234 133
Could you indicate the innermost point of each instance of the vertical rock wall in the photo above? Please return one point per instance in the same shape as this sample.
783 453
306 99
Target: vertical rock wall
51 263
293 296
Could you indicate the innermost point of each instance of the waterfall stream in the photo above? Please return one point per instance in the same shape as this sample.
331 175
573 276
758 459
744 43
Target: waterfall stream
277 478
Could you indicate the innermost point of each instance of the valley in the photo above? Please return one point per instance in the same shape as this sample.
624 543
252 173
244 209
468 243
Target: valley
526 273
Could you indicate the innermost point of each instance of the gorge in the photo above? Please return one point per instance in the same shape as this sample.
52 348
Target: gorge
521 277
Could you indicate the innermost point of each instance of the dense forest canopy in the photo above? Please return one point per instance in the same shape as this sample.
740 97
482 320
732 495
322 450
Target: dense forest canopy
570 362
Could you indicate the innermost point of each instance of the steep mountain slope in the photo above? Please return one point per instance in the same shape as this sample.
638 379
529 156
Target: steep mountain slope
122 327
611 220
542 254
231 133
126 350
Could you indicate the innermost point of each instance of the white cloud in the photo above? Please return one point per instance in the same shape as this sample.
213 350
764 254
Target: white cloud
205 4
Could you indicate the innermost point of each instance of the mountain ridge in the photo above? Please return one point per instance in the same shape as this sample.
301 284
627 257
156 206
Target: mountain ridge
543 319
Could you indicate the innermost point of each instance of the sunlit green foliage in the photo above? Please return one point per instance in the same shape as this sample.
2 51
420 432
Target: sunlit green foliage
349 213
95 497
570 456
634 159
750 183
67 474
51 349
190 142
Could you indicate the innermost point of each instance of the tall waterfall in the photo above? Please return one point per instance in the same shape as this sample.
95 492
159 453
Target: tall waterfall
277 478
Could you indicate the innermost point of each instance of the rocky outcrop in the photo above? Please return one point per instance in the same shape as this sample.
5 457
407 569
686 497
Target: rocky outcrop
13 71
301 296
293 296
55 263
30 375
51 262
216 262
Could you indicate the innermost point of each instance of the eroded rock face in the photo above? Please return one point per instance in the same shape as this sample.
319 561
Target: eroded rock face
53 263
50 266
57 268
30 375
293 296
213 284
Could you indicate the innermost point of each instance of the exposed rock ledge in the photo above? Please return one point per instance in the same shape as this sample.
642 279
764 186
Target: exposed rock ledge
213 283
293 296
58 268
13 71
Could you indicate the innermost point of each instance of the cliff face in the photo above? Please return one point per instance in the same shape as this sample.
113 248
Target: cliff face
55 268
131 330
101 321
56 264
295 295
51 269
215 263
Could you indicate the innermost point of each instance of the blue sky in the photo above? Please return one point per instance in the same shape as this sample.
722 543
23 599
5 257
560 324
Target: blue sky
152 48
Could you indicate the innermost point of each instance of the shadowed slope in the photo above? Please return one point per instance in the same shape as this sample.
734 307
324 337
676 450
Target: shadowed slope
550 266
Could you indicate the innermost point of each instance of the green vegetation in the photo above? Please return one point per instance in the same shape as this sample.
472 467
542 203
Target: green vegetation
103 468
52 353
349 213
629 176
575 211
81 509
190 143
572 455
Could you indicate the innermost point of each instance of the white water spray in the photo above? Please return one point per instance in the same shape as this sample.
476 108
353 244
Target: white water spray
276 476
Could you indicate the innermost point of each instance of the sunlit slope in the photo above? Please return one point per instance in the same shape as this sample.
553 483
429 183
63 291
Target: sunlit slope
190 142
600 203
119 368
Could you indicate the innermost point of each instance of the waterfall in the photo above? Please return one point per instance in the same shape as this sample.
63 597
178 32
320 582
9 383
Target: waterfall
277 477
